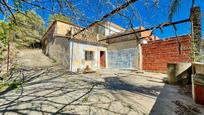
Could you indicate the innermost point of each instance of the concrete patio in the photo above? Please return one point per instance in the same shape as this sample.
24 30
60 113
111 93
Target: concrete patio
50 89
105 92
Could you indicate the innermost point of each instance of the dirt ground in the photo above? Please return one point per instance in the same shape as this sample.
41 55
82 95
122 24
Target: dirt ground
33 58
50 89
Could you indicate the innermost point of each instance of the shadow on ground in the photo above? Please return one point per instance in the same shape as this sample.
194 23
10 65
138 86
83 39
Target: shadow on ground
42 92
173 101
115 83
56 91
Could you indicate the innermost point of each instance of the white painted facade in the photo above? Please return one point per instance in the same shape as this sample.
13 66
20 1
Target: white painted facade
77 56
107 28
112 28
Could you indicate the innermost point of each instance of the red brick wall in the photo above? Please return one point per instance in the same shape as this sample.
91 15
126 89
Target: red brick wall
156 54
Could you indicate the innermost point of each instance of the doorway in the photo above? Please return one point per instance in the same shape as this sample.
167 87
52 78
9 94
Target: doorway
102 59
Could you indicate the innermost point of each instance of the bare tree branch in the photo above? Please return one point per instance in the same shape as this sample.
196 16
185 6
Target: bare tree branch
9 9
149 29
115 11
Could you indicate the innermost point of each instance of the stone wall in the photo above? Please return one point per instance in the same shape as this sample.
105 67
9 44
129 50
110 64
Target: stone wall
59 50
47 38
68 30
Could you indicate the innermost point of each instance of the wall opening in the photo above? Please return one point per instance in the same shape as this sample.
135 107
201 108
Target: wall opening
89 55
102 59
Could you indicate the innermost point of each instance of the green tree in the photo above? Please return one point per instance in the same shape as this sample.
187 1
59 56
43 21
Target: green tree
3 32
28 29
6 33
57 17
3 38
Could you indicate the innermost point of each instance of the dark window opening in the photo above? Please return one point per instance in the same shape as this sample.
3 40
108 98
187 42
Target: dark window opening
89 55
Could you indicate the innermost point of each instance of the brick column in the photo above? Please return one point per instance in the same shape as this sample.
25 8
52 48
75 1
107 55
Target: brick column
196 26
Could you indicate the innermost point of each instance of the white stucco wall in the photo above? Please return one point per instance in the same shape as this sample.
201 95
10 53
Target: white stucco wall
77 56
124 54
112 29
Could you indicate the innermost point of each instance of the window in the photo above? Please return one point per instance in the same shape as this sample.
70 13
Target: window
89 55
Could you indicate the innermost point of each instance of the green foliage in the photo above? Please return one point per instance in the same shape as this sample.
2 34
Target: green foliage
85 99
15 84
54 60
3 32
29 29
57 17
18 4
195 53
203 43
1 56
10 86
6 30
3 87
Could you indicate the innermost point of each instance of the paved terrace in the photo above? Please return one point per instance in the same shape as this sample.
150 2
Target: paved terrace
50 89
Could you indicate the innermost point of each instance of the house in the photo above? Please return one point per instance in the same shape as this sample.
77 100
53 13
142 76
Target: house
74 52
87 50
107 28
125 51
